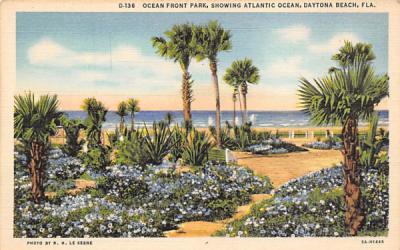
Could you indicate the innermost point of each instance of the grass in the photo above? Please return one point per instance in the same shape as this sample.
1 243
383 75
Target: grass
216 155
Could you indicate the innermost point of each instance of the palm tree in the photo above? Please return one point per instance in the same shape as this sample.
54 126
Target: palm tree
235 93
211 39
344 97
133 107
178 46
348 53
241 73
34 122
122 112
94 122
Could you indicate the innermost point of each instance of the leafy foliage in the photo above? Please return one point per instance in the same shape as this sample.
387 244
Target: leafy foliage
196 147
34 121
97 157
158 143
131 150
371 146
72 128
96 117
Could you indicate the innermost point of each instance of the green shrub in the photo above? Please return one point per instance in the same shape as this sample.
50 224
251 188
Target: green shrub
225 137
158 144
178 139
243 138
372 144
97 157
72 128
196 147
131 150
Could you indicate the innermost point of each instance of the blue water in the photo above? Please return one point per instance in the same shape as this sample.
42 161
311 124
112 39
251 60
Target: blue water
207 118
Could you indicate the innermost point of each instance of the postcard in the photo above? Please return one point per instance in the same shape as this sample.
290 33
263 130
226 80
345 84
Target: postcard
200 124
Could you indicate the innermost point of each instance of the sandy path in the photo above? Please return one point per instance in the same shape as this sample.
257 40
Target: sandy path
207 228
279 168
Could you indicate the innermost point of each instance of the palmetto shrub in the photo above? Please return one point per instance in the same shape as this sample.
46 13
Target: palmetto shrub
196 147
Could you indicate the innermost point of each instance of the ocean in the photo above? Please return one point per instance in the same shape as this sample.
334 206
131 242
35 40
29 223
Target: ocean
207 118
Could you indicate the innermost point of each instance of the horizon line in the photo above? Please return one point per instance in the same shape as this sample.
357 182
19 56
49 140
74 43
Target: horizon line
211 110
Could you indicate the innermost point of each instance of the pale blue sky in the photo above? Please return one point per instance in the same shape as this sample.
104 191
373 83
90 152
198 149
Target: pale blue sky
109 55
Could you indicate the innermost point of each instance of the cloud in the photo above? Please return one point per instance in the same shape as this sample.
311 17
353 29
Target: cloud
332 45
47 52
288 67
294 34
92 76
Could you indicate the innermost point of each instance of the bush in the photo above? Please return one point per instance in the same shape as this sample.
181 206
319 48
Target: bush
72 129
158 144
96 157
131 150
196 147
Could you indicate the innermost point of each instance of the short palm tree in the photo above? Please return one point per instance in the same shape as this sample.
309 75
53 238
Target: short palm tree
34 122
122 111
345 96
242 73
94 122
133 108
210 40
178 46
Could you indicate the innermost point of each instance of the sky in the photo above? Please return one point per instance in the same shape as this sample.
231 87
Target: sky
109 55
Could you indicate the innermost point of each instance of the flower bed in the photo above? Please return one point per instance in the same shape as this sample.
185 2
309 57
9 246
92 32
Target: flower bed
323 145
313 206
273 146
131 201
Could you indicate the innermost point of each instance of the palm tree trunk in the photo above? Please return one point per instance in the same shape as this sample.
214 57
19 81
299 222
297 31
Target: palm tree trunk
132 121
244 94
36 168
121 124
240 104
354 216
213 67
186 97
234 110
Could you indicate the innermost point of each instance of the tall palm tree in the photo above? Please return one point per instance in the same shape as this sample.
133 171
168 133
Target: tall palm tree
178 46
34 122
94 122
235 92
242 73
344 97
133 107
122 111
211 39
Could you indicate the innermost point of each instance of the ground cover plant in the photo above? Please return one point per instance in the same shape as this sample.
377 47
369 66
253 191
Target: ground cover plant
332 142
313 205
244 138
129 201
